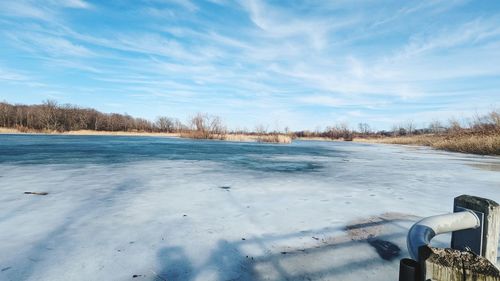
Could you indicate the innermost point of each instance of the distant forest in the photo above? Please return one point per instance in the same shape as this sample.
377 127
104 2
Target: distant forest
51 116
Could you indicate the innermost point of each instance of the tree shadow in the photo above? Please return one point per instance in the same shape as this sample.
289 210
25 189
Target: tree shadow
329 257
29 261
175 264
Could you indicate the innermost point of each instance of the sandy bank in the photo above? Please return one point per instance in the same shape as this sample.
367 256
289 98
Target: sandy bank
227 137
88 133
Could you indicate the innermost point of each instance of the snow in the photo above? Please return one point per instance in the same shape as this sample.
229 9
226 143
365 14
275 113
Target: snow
306 211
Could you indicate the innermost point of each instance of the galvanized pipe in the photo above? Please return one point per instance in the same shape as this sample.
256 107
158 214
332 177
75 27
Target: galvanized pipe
422 232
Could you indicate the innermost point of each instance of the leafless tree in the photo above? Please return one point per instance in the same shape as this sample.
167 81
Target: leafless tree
164 124
436 127
49 116
364 128
261 129
207 126
454 125
409 127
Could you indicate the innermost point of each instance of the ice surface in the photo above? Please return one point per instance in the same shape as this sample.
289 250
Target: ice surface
171 209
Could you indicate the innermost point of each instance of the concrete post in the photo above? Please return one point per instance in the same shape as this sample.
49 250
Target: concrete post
484 240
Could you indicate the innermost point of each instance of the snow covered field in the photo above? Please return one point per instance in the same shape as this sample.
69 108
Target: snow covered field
138 208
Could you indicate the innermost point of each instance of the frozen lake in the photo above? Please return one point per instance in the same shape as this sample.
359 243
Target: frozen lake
139 208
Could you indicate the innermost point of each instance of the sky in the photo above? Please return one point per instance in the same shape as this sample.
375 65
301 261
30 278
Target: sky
297 64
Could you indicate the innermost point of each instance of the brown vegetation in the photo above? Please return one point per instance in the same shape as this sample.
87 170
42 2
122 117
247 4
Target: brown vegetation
204 126
466 143
480 135
271 138
337 132
50 117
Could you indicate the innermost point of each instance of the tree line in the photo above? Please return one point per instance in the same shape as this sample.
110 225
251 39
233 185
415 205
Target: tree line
52 116
486 124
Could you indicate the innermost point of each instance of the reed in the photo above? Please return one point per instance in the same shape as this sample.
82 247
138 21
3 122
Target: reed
483 144
274 138
271 138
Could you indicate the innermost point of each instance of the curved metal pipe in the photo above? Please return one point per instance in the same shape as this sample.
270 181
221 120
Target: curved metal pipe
422 232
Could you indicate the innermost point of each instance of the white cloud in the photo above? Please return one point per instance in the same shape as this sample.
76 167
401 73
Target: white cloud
9 75
77 4
25 10
348 56
186 4
49 45
322 100
468 33
277 23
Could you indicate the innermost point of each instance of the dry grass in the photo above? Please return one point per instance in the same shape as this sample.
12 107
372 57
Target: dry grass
317 139
239 137
8 131
192 135
24 130
246 138
274 138
201 135
483 144
425 140
119 133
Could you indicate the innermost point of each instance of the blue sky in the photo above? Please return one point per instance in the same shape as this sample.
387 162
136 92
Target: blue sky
301 64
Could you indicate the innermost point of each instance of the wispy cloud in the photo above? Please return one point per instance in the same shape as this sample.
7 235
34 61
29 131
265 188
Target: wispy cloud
307 62
9 75
49 45
77 4
25 10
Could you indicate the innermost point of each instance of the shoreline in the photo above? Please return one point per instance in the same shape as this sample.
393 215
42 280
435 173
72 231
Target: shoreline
468 144
9 131
281 139
477 144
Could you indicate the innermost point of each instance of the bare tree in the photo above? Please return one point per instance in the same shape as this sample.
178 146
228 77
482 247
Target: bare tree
454 125
207 126
178 126
364 128
164 124
49 115
409 126
494 117
261 129
436 127
216 126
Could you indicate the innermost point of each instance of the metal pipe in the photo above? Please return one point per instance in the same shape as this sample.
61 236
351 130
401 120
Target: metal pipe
422 232
408 270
